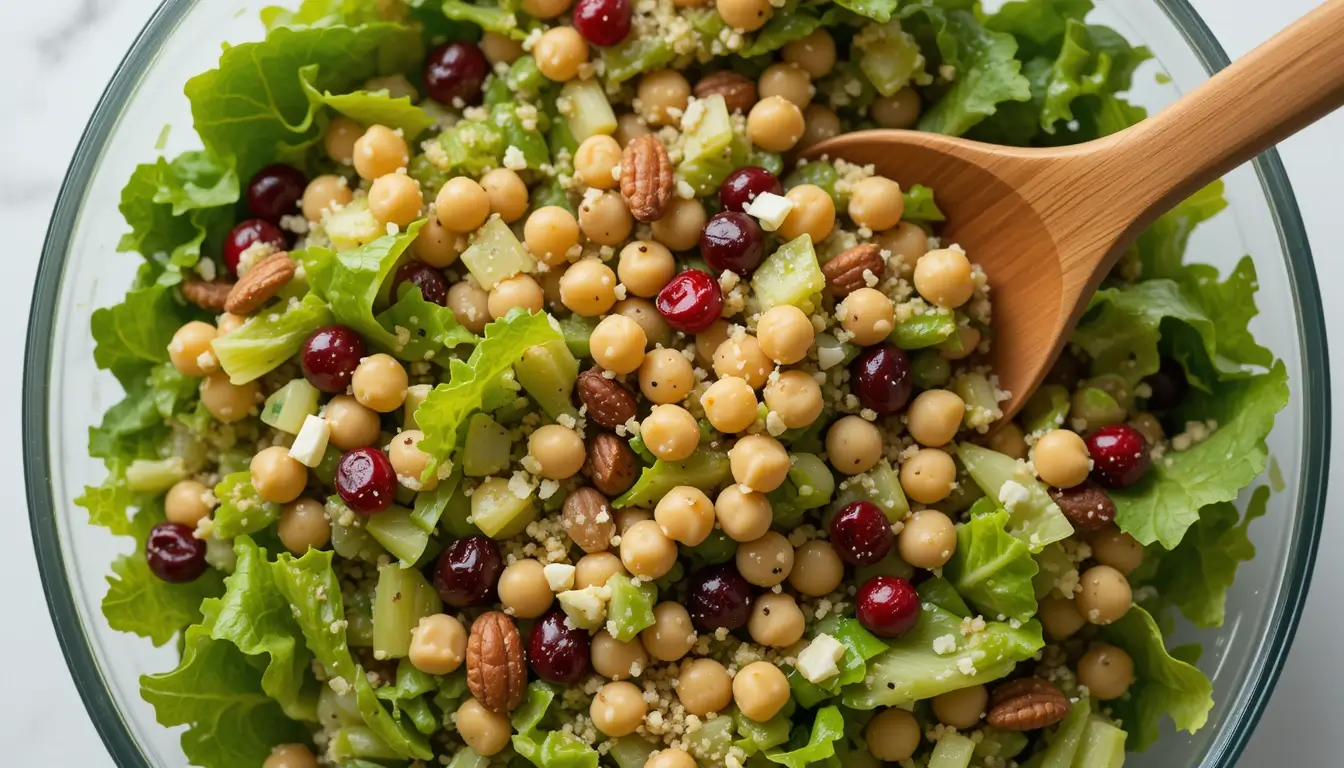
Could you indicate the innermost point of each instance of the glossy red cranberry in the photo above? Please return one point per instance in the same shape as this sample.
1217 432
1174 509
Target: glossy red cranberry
602 22
557 650
366 480
743 185
718 596
691 302
249 232
881 379
1119 455
330 356
275 191
860 533
887 606
1168 386
455 71
174 554
432 286
733 241
467 572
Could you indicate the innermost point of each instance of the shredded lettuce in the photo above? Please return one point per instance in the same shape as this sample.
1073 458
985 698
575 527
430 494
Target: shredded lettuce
369 107
827 728
174 207
133 335
992 569
240 509
794 22
1162 684
270 339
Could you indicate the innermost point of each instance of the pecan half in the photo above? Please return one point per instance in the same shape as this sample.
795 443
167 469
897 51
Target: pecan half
1026 704
738 91
588 520
263 281
611 464
496 669
646 178
609 403
1087 506
210 296
844 273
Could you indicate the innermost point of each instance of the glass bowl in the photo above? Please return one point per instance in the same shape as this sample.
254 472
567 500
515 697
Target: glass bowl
80 270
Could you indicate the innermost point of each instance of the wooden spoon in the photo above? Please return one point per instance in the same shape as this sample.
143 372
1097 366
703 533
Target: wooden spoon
1048 224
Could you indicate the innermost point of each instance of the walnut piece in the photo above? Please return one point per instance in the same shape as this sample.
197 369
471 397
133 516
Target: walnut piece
496 669
646 178
263 281
845 273
608 402
1026 704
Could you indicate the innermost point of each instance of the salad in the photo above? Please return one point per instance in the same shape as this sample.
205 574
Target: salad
502 388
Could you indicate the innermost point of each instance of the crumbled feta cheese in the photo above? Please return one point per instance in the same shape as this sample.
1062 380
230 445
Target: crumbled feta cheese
310 445
829 357
587 607
560 576
944 645
819 660
1012 493
770 210
514 159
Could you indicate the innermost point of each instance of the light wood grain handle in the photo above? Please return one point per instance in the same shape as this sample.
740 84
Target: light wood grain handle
1286 84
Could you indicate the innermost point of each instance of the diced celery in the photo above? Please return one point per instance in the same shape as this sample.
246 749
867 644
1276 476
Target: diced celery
714 132
524 78
790 275
711 740
325 472
359 616
350 539
982 405
1046 409
495 254
287 407
812 479
636 55
352 226
1096 408
487 447
399 534
1001 744
155 476
890 57
630 609
1103 746
430 505
415 395
924 330
335 709
1035 520
586 109
762 736
498 511
467 757
952 751
930 369
402 598
577 330
269 339
457 514
548 372
1062 745
705 469
495 18
632 751
356 741
885 492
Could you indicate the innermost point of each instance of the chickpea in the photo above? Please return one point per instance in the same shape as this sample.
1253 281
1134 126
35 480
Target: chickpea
647 552
1061 458
605 220
819 124
558 450
744 515
817 569
560 52
380 151
961 708
907 243
759 462
277 476
671 636
517 291
671 758
943 277
928 539
670 432
893 735
595 160
1117 549
868 315
761 690
438 645
704 686
550 233
589 288
435 245
642 311
776 620
685 515
707 342
934 417
877 203
629 516
785 334
380 383
595 569
1105 595
899 110
470 305
775 124
185 503
190 350
813 214
462 205
681 225
787 81
303 526
645 267
1009 440
501 48
290 756
226 401
730 404
395 198
352 424
339 140
662 96
814 54
618 709
746 15
325 194
617 344
927 477
766 560
410 462
486 732
853 445
629 127
796 398
616 660
743 357
507 193
1060 618
546 9
666 376
524 590
1107 671
968 341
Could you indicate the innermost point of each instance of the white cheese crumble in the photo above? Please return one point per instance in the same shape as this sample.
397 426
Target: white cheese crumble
819 660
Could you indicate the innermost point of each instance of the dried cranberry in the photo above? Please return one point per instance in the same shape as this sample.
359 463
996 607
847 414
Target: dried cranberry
467 572
557 650
174 554
330 356
733 241
743 185
888 606
247 234
881 378
275 191
455 71
1168 386
719 597
432 286
1119 455
860 533
366 480
691 302
602 22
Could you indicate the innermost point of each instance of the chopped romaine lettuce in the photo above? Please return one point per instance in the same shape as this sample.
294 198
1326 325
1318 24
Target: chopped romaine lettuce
704 469
992 569
240 509
1162 684
1036 519
269 339
827 728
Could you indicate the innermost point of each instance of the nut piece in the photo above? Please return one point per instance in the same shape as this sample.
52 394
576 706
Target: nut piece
609 403
588 520
844 273
738 91
646 178
262 281
211 296
496 670
611 464
1087 506
1026 704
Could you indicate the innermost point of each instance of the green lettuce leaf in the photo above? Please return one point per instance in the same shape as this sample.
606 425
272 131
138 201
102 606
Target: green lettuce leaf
794 22
326 13
269 339
1162 246
1092 61
369 107
827 728
1162 684
491 19
132 336
240 509
1124 325
430 329
1038 24
109 504
992 569
174 207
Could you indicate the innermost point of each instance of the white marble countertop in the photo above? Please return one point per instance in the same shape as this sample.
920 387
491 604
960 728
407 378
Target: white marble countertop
57 57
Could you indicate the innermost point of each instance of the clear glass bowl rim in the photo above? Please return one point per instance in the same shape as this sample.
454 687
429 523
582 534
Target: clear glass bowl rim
98 700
